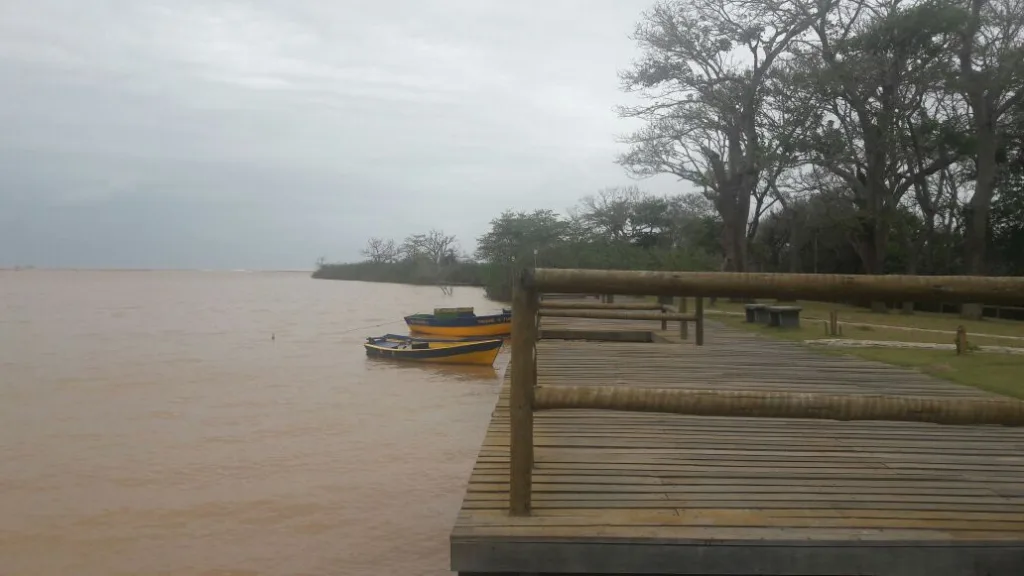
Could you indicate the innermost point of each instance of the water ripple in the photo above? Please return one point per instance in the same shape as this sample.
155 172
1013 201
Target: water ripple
149 424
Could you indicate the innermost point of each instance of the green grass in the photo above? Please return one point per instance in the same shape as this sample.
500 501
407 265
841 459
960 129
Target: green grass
999 373
811 329
921 320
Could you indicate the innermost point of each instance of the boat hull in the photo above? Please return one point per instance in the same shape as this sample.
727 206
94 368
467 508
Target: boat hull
481 353
460 331
425 338
460 326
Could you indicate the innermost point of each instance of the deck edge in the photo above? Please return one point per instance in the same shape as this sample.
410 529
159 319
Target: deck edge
767 558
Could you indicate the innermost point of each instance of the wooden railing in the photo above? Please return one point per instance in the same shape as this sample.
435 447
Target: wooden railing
526 397
658 311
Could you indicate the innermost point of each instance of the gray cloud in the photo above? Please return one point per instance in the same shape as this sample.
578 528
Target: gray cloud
266 133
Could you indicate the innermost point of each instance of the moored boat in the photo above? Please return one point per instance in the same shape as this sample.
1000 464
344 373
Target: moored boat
460 322
479 352
424 338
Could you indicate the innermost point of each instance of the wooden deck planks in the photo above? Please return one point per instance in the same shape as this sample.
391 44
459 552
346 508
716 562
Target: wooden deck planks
618 492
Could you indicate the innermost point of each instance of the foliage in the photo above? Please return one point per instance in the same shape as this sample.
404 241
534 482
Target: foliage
403 272
842 136
379 250
435 246
705 106
1007 223
430 258
616 229
860 136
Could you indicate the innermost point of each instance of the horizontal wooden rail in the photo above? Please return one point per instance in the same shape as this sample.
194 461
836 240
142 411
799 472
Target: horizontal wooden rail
600 306
525 397
828 287
958 411
618 315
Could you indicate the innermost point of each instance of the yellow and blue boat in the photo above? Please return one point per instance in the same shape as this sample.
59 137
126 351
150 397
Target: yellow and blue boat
479 352
460 322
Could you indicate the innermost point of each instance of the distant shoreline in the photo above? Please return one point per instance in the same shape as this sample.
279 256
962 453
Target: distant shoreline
401 282
413 272
231 270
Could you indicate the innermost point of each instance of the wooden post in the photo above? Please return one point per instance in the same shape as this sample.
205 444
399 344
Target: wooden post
664 301
536 338
684 327
525 306
698 312
833 323
961 340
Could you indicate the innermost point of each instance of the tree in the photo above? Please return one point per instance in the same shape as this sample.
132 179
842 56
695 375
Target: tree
608 212
874 68
627 215
512 239
380 250
435 246
1007 220
1008 225
515 235
705 104
694 225
990 58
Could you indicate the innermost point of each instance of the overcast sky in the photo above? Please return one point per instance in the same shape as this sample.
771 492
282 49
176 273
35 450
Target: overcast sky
263 134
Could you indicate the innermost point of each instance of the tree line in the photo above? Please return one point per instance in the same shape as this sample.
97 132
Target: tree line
616 228
894 130
839 136
430 258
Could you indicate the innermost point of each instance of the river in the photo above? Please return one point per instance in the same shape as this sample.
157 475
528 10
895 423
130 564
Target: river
226 423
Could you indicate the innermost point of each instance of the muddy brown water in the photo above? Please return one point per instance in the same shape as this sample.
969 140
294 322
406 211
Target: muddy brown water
221 423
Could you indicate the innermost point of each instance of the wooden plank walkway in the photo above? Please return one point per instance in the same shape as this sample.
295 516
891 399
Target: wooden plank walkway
636 493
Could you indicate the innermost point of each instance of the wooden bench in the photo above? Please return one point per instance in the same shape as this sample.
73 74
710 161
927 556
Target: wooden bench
757 313
784 316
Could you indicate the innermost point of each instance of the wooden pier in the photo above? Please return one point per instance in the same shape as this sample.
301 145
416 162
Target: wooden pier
640 490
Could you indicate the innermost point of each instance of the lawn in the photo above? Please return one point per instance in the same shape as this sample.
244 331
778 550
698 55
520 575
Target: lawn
919 320
813 328
999 373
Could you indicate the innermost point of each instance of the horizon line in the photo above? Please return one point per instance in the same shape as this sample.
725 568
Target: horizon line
19 268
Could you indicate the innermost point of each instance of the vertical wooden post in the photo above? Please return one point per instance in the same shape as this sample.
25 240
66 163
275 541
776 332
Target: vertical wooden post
525 308
684 327
698 311
536 338
961 340
664 301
